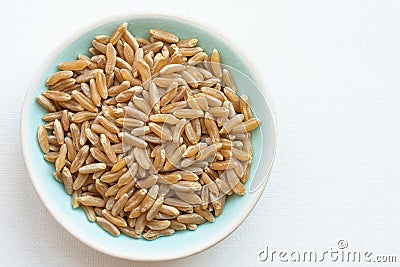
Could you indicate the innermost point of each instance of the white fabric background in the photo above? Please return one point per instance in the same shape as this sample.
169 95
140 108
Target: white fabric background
333 68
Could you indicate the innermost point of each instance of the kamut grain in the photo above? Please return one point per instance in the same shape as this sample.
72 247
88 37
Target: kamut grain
149 135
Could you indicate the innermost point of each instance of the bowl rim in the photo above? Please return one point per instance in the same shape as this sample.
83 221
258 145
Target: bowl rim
75 35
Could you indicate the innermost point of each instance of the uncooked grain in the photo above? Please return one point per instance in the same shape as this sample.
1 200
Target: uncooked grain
149 136
108 226
60 75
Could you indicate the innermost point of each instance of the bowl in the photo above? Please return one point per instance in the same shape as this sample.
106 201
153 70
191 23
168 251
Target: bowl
183 243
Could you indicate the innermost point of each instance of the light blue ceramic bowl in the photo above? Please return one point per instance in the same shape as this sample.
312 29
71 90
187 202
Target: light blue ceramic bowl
183 243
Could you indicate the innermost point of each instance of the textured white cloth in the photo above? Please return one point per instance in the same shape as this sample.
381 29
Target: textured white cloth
333 69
